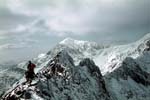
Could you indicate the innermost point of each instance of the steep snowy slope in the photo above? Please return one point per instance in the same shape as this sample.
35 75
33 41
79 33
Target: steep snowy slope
82 82
124 68
129 81
111 58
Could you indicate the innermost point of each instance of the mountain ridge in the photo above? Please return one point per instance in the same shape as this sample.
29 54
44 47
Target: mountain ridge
110 62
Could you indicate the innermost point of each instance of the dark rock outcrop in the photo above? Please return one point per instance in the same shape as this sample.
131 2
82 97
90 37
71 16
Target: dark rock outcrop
127 80
82 82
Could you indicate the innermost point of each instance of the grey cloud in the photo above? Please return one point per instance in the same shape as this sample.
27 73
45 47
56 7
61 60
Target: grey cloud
41 24
89 16
9 20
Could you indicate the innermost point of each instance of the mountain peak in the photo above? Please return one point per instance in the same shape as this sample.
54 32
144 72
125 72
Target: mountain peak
78 43
68 39
72 41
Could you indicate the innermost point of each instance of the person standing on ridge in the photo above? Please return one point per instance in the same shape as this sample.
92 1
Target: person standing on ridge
31 67
30 74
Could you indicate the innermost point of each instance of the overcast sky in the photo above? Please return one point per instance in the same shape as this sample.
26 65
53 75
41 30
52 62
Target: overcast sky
30 27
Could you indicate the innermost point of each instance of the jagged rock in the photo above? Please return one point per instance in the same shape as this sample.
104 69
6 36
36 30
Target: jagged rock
128 75
92 68
82 82
125 72
132 69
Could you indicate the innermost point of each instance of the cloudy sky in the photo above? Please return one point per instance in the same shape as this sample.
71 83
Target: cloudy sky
30 27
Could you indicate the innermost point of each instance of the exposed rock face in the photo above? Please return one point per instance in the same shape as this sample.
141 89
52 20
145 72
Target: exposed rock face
125 73
133 70
129 81
82 82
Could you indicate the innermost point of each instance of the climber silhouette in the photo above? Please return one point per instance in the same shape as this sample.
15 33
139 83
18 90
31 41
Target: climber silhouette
30 74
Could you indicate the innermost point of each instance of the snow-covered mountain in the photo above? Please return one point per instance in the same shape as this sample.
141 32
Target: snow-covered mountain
125 72
78 52
129 81
111 58
78 49
81 82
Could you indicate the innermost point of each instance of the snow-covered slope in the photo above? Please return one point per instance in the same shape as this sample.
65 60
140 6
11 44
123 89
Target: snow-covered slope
125 70
111 58
9 74
82 82
129 81
78 49
81 45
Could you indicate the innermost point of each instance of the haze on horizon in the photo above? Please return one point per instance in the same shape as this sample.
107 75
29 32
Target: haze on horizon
31 27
